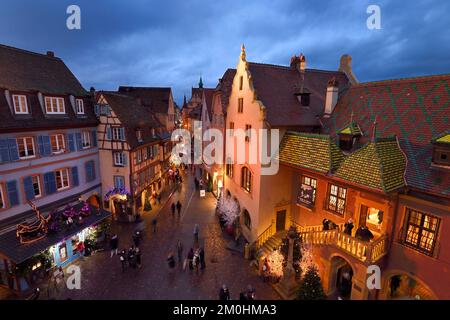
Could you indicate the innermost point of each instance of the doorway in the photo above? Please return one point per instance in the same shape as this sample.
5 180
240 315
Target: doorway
281 220
344 283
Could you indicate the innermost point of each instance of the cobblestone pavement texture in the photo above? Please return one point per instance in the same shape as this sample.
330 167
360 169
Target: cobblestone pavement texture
102 276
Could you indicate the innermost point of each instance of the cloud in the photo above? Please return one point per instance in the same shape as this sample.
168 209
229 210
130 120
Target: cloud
172 43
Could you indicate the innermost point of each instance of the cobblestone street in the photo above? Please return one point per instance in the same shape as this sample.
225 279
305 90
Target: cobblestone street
102 276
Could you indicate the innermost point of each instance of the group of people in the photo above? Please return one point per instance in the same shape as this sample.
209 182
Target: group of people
176 207
131 257
249 294
362 233
329 225
195 259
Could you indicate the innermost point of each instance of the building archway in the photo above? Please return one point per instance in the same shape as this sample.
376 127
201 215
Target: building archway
341 277
400 285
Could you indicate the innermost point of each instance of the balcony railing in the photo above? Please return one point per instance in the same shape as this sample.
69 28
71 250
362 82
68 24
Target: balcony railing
367 252
264 236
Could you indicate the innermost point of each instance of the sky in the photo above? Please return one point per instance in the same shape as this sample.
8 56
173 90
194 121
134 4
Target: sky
173 43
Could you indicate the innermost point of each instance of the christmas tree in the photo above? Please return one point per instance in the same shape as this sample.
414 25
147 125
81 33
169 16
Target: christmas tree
311 286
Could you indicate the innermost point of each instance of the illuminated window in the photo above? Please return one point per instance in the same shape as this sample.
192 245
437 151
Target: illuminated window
421 231
246 179
54 105
26 147
62 179
20 104
57 142
336 199
371 217
80 106
36 186
312 183
86 139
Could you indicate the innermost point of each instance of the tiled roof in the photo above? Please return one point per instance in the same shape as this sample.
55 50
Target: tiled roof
209 93
225 86
157 99
351 129
276 87
442 138
378 165
312 151
133 116
415 110
29 73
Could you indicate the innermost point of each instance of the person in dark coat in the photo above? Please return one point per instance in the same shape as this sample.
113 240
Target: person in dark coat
180 251
173 208
348 227
250 293
364 234
201 254
123 260
179 207
114 243
136 238
171 260
138 257
326 225
190 258
224 293
154 222
131 257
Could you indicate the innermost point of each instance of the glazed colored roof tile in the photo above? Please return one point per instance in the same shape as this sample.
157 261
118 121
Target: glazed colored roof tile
442 138
276 87
378 165
312 151
414 109
352 129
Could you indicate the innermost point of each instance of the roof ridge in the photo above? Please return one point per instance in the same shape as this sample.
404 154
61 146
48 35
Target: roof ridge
381 166
310 135
289 68
30 52
403 80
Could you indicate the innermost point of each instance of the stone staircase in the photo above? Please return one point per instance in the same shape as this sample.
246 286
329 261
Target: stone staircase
271 243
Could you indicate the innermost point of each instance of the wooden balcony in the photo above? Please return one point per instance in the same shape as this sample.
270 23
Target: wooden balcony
367 252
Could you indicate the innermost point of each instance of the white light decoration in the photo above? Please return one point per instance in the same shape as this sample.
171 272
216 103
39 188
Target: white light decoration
276 261
307 260
228 208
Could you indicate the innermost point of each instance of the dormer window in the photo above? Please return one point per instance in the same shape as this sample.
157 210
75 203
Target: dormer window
20 104
54 105
80 106
303 96
153 132
349 135
139 135
304 99
441 150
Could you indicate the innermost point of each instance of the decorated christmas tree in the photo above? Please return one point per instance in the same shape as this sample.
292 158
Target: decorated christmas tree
311 286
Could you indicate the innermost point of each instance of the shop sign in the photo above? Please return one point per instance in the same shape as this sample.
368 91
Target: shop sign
202 193
305 195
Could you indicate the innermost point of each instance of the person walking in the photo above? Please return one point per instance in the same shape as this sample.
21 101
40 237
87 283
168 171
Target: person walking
196 260
179 207
136 238
190 258
138 254
173 208
123 260
114 244
224 293
196 232
171 260
179 251
201 254
154 222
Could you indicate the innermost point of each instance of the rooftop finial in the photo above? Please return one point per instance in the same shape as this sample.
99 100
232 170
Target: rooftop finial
243 52
200 83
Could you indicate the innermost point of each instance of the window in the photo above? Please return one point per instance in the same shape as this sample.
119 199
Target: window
231 128
57 142
304 99
441 155
20 104
246 179
80 106
229 168
36 186
336 199
241 82
118 134
119 159
26 147
139 135
54 105
248 132
119 181
421 231
62 179
247 219
240 105
2 199
139 156
311 183
346 142
371 217
85 139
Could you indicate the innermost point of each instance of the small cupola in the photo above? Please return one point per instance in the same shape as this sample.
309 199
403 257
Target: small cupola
441 150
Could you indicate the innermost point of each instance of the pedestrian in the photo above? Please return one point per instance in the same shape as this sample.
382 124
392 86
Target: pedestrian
179 251
196 232
224 293
136 238
114 243
123 260
173 208
190 258
250 293
171 260
196 183
179 207
201 254
154 222
348 227
196 260
138 257
131 257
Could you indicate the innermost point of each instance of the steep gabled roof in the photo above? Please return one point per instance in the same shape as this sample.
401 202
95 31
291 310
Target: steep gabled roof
276 87
225 86
157 99
311 151
413 109
23 70
378 165
133 116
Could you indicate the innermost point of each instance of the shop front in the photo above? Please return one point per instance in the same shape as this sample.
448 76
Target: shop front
118 201
28 254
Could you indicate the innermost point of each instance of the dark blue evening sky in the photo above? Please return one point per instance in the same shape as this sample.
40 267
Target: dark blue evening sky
172 43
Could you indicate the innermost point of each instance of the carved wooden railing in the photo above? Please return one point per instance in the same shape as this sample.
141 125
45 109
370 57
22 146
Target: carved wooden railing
368 252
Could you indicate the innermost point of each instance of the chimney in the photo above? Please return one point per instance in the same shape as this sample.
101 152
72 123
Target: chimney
302 62
298 63
332 96
50 54
346 67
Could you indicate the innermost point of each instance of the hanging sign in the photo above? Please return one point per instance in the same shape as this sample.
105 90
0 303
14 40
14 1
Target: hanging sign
305 195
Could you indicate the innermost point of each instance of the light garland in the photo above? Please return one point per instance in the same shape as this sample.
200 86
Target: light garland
307 260
276 262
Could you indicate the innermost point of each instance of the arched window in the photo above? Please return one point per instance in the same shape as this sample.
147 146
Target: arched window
246 179
247 219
